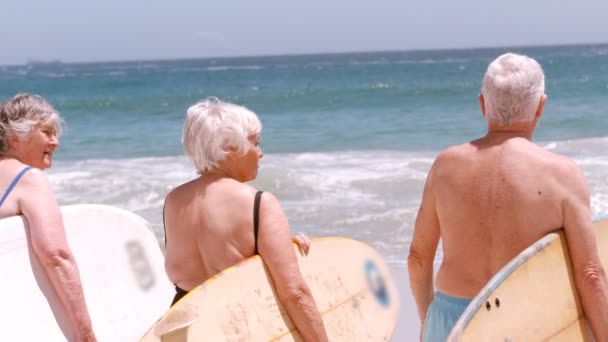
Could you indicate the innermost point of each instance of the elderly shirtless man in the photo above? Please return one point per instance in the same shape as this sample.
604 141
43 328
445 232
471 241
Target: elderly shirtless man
491 198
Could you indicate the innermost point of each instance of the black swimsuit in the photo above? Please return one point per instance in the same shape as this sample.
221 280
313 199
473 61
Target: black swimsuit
179 292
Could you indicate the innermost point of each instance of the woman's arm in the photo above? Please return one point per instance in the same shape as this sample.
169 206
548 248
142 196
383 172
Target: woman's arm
49 244
276 248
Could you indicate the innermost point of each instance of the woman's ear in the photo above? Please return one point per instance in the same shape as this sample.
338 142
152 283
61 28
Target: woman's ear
229 150
12 141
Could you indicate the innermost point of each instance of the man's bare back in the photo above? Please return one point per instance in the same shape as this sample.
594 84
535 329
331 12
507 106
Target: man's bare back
495 196
491 198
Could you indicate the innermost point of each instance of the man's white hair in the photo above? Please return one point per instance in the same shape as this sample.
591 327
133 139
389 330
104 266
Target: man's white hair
212 127
512 88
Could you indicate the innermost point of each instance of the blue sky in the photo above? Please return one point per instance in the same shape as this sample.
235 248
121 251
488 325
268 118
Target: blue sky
109 30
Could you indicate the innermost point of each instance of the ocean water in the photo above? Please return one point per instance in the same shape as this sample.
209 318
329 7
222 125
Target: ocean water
348 138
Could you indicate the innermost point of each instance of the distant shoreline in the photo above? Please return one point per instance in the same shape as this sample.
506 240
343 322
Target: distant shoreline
329 53
36 62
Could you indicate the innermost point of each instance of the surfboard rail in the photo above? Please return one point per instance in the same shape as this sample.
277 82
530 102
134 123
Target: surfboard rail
525 266
482 297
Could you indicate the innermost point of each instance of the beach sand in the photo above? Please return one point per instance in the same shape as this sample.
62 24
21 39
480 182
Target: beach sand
408 324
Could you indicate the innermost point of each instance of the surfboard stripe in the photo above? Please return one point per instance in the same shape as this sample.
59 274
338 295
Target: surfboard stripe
336 307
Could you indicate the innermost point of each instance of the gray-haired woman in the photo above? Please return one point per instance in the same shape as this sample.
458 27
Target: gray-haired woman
209 221
29 129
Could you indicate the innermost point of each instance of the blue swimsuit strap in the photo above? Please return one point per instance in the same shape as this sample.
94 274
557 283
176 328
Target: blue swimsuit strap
15 181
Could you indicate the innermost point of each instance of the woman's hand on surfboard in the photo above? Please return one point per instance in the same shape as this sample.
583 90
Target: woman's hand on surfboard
303 242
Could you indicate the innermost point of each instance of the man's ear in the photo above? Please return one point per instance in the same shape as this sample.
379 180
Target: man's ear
482 105
541 107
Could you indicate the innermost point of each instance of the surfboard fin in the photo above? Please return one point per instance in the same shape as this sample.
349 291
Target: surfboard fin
176 320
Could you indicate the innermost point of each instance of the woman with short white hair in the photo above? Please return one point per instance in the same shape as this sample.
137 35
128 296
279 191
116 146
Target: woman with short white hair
216 220
29 130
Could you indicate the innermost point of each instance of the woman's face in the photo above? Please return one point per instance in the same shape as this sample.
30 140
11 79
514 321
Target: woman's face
38 147
246 165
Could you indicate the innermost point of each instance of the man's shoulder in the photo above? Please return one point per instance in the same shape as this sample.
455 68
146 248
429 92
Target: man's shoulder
555 161
454 153
552 165
449 160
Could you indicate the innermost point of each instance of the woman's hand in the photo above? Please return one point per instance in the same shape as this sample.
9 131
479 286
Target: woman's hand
303 242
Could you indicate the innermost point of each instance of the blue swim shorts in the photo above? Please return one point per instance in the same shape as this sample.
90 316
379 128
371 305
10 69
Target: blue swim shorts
441 316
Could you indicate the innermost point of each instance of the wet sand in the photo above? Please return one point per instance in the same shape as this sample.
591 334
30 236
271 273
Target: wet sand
408 324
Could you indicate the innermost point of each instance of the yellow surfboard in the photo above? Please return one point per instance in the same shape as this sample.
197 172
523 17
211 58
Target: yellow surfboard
533 298
349 280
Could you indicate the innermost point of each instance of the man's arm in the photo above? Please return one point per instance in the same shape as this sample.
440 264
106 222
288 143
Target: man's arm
50 245
589 275
423 248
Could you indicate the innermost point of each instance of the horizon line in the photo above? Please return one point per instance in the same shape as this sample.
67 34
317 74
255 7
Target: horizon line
51 61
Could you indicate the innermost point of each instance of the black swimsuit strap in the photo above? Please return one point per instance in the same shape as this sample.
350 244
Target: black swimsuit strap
256 217
164 227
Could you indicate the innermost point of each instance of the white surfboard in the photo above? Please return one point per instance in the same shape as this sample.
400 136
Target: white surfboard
121 268
533 298
350 282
